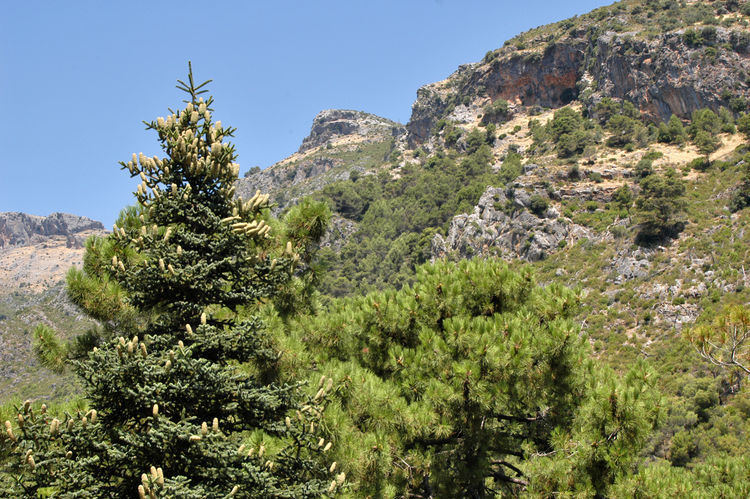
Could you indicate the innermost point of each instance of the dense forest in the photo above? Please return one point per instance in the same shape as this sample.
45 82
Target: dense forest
240 353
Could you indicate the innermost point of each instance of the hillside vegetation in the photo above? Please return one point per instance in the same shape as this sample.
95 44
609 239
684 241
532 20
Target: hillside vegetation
537 287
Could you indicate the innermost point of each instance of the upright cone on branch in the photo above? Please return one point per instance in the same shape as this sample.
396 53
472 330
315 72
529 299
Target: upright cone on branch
186 262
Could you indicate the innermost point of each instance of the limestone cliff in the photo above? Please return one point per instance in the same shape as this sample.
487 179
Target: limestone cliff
661 74
333 125
340 142
20 229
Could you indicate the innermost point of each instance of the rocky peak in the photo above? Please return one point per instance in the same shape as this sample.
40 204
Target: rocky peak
661 74
20 229
332 124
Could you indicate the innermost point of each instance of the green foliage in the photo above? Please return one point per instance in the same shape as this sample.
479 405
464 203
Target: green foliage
718 477
623 196
606 108
727 121
451 135
180 398
496 112
743 124
626 130
567 131
474 140
725 342
346 200
476 382
511 167
489 137
700 164
394 234
672 132
48 348
706 142
741 197
704 120
643 168
693 38
305 225
538 204
660 206
574 172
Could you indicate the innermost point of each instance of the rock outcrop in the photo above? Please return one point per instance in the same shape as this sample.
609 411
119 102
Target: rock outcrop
660 76
20 229
340 142
333 124
503 225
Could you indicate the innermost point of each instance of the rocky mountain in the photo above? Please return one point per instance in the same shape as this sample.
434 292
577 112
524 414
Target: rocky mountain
333 125
20 229
340 142
506 224
664 60
616 54
35 254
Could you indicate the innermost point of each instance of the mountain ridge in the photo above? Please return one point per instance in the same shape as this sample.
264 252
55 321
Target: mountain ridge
21 229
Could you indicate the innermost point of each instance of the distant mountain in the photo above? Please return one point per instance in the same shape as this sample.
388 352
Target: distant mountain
664 58
20 229
35 254
340 142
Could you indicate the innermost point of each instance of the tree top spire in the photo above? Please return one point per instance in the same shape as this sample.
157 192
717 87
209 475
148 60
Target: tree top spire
192 89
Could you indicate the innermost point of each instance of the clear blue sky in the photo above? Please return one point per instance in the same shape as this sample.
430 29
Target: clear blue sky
78 77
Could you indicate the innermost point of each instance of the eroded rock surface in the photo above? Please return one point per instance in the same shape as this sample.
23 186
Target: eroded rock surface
20 229
503 224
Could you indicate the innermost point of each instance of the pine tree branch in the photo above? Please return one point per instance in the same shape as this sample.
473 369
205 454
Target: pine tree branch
510 466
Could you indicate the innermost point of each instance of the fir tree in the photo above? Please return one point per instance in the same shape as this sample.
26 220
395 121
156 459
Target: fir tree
182 409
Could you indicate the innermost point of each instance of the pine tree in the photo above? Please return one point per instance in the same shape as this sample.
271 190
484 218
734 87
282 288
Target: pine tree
725 342
660 206
183 409
475 382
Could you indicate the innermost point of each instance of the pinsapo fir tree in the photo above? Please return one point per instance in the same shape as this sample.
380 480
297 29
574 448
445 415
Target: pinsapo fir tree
182 409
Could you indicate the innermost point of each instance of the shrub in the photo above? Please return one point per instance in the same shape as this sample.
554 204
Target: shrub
538 204
660 206
595 177
574 172
692 38
511 167
672 132
737 104
741 197
496 112
699 164
624 130
743 124
643 168
704 120
706 142
623 196
606 108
